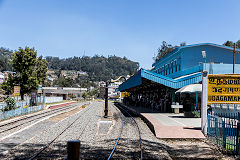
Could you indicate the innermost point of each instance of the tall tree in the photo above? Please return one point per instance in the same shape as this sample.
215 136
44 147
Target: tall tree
24 61
41 69
165 49
229 44
8 85
5 59
238 44
64 82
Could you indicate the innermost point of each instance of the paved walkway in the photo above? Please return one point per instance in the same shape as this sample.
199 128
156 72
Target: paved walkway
170 125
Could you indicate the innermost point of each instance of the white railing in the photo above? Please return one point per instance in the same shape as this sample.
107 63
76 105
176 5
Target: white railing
53 99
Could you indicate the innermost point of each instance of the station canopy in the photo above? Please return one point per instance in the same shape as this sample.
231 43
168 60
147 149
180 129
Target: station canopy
145 79
191 88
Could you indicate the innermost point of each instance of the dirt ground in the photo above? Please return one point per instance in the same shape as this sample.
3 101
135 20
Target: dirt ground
62 116
196 149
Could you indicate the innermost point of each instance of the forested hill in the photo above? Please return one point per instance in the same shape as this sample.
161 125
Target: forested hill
5 59
98 67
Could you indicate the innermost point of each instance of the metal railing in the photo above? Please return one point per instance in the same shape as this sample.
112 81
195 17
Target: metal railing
224 129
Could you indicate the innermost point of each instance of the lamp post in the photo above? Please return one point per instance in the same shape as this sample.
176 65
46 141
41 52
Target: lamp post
234 50
106 94
106 101
205 57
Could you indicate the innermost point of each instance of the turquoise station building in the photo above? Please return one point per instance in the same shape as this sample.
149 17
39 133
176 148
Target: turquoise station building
181 67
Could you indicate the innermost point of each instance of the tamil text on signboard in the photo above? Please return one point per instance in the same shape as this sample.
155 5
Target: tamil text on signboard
224 88
16 91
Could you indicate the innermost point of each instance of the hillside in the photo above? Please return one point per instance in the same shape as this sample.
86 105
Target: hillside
98 68
5 59
79 71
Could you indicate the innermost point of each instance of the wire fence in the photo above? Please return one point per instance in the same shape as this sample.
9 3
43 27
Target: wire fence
224 129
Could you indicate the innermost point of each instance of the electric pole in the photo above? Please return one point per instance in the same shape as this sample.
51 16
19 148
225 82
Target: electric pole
234 50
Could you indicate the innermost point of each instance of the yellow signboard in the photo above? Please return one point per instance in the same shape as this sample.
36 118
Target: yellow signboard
224 88
124 94
16 91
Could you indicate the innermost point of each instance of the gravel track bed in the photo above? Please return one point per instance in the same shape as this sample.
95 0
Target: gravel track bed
100 146
98 140
31 146
95 145
26 122
129 144
84 128
153 148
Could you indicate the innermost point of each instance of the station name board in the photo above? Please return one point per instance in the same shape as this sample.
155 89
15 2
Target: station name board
224 88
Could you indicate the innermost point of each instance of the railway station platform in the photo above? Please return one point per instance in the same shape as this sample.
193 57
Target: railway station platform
170 125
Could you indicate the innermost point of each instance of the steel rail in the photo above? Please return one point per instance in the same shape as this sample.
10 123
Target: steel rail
109 157
1 125
45 114
139 133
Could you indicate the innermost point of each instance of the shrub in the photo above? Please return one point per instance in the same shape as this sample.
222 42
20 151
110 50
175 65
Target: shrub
196 113
10 104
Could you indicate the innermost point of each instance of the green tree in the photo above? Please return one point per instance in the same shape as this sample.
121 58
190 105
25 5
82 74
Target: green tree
5 59
165 49
8 85
24 62
229 44
85 95
238 44
41 69
94 92
64 82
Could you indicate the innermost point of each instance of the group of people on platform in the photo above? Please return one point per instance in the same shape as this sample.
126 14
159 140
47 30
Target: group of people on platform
152 101
160 102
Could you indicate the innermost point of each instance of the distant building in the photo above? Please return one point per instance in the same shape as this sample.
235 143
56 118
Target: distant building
65 92
6 74
112 90
82 73
50 78
1 77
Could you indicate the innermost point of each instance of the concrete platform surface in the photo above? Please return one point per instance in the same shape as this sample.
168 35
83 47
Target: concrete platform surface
170 125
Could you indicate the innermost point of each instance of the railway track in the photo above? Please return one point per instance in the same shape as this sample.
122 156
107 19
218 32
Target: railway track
79 127
23 121
44 148
124 110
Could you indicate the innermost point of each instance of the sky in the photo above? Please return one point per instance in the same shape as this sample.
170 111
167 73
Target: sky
130 28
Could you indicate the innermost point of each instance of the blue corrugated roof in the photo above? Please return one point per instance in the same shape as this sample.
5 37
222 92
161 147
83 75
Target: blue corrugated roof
193 45
136 80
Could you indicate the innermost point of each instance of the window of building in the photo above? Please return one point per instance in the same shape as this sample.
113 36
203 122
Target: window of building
179 67
169 68
175 65
172 65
